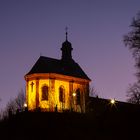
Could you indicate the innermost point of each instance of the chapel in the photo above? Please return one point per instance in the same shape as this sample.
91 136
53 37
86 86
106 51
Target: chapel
57 84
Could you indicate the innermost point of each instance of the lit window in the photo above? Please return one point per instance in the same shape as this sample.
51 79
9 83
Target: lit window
78 97
61 94
45 93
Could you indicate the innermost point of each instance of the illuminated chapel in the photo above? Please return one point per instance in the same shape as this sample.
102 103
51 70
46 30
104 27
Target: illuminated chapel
57 84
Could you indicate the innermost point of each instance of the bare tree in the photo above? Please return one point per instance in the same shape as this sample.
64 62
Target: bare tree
132 41
93 92
11 106
16 104
134 93
20 100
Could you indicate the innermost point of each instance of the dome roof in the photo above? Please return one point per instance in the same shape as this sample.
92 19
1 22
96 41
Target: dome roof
66 43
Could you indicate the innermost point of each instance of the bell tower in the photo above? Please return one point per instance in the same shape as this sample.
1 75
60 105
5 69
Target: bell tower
66 49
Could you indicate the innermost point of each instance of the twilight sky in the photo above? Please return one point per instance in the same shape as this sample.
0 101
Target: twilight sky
30 28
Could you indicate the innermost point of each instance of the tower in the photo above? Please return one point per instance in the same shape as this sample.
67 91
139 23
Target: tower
66 50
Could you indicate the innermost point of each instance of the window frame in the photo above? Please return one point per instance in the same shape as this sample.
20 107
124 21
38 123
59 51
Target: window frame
62 94
45 93
78 96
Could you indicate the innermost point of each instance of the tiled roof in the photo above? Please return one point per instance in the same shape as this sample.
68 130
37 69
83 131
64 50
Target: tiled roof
51 65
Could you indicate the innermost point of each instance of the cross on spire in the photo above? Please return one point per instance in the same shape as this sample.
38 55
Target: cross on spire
66 48
66 29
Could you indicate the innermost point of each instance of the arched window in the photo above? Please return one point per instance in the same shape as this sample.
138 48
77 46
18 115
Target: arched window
45 92
78 97
61 94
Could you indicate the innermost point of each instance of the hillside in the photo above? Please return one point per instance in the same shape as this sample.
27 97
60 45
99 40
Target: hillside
121 122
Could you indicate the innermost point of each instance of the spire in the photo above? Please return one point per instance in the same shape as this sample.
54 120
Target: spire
66 33
66 48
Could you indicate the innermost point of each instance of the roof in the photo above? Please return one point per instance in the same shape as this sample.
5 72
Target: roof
51 65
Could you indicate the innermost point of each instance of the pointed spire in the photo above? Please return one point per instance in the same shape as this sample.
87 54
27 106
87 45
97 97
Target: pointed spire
66 29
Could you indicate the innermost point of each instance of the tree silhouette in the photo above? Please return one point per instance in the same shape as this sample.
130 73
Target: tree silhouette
134 93
20 100
16 104
132 41
93 92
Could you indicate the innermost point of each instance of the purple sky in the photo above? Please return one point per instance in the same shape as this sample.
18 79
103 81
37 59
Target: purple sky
29 28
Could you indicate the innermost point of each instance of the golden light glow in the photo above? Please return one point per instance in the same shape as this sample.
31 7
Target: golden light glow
25 105
32 90
74 94
112 101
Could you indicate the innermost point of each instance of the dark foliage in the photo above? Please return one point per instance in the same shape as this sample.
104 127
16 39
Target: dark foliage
132 40
16 104
134 93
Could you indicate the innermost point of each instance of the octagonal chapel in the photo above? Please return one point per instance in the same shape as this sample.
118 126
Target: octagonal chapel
57 84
